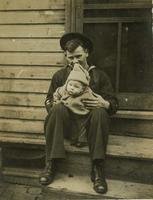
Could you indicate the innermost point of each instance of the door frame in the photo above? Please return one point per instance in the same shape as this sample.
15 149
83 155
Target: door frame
75 21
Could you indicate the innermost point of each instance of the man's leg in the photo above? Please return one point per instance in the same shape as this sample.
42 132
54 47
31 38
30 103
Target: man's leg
56 127
98 129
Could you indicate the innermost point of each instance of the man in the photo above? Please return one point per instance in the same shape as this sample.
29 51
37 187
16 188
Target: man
60 120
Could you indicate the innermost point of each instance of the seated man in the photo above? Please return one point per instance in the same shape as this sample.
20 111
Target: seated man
60 119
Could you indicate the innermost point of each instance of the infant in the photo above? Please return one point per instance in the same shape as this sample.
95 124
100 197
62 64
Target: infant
75 90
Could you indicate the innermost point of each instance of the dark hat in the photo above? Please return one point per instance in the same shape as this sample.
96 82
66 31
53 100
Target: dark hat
74 35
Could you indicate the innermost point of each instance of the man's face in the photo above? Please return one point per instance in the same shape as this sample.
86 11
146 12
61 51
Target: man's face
79 55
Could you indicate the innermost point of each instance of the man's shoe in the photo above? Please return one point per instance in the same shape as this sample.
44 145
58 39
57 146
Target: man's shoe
98 179
48 174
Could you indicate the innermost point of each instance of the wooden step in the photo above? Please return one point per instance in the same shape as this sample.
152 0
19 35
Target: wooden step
122 146
21 175
128 158
81 186
69 187
128 114
134 123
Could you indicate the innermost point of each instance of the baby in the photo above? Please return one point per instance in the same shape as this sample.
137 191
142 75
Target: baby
72 94
75 90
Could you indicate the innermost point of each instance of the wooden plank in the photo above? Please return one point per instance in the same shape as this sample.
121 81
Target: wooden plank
33 113
32 17
31 5
24 72
19 137
120 146
22 172
114 19
118 189
28 31
123 146
80 187
31 58
73 16
21 126
30 45
68 14
121 5
34 86
133 147
22 99
135 101
118 57
128 114
79 16
116 167
133 127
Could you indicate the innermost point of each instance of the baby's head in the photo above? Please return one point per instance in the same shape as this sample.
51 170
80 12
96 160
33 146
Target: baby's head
75 87
77 80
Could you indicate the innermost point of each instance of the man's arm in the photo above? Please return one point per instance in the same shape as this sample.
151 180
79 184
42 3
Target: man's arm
107 97
58 80
107 92
52 88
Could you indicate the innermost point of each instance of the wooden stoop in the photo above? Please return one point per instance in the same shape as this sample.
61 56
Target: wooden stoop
129 165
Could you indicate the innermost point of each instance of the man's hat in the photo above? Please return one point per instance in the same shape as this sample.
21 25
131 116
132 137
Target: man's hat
74 35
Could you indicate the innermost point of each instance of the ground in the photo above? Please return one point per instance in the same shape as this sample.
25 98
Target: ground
19 192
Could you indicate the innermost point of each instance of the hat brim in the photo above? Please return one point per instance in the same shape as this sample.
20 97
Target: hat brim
70 36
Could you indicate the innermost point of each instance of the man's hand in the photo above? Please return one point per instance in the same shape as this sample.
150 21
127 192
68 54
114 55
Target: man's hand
96 103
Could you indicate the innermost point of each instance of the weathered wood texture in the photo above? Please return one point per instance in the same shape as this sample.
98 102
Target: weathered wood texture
32 86
31 58
29 55
125 156
22 72
30 45
22 99
29 31
136 101
31 5
32 17
21 126
30 113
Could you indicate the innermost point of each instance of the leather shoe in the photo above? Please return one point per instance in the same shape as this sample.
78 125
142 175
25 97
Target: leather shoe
48 174
98 179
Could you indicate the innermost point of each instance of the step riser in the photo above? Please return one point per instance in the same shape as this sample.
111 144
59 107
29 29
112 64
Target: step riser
116 168
134 127
78 163
21 180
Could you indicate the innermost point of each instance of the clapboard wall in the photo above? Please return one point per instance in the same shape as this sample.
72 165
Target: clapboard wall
29 55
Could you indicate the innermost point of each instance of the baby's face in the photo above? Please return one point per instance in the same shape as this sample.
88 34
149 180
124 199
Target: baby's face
74 88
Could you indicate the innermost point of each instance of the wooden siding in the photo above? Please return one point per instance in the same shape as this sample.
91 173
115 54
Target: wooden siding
29 55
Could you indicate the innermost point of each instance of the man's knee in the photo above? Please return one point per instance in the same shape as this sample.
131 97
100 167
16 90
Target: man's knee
59 109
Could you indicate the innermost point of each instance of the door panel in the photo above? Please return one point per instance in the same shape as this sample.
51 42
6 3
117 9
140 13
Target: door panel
136 73
104 37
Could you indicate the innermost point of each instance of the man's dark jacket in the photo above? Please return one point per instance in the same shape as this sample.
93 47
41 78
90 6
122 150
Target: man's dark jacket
99 83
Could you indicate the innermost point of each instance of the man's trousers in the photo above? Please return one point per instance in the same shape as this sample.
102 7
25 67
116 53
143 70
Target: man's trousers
60 123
